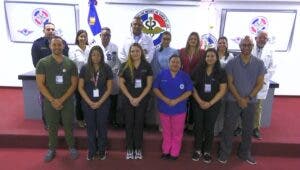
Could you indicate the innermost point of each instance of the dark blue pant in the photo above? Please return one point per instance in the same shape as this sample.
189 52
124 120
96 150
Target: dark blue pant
96 121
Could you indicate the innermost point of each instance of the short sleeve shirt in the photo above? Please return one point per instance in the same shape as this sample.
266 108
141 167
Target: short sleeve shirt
136 84
172 88
244 75
51 69
208 86
103 76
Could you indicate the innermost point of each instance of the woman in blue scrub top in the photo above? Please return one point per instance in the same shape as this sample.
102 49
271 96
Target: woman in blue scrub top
95 85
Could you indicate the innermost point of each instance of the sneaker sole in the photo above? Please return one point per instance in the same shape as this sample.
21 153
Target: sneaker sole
251 163
222 162
194 159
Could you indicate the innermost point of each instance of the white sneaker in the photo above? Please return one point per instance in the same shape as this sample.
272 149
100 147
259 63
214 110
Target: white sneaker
138 154
129 154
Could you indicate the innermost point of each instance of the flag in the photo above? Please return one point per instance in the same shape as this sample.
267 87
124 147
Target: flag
93 19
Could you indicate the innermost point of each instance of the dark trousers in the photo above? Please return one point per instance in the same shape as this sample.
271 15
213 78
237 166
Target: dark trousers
232 113
96 121
78 109
113 109
41 102
190 114
204 126
134 123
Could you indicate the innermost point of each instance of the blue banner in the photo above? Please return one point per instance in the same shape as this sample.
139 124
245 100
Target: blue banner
93 19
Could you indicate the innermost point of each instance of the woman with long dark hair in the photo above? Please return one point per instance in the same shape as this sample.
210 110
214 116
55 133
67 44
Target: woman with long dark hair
95 84
210 84
79 54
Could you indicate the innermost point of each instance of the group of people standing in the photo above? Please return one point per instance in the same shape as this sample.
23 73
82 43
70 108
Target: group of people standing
191 85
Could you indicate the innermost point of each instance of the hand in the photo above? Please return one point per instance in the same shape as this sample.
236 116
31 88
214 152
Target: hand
205 105
173 102
243 102
56 104
135 102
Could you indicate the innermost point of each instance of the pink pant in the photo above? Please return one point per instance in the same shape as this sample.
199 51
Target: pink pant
172 133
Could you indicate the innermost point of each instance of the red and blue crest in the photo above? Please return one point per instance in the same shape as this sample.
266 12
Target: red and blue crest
155 23
258 24
40 16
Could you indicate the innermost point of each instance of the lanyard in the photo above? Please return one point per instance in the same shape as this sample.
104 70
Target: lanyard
95 79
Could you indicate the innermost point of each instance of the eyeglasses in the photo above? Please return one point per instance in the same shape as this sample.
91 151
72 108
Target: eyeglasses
246 45
50 29
105 35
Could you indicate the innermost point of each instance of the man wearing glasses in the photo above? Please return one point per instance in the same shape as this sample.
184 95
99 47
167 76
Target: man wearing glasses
245 75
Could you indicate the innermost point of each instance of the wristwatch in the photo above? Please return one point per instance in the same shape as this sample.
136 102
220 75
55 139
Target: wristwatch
250 98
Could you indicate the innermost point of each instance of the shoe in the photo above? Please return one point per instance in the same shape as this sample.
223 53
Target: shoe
173 158
165 156
74 153
129 154
249 159
256 133
90 157
196 155
49 155
207 158
238 131
102 155
46 127
81 124
138 154
222 159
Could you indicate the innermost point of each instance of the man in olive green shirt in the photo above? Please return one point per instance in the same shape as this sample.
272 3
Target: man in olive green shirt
56 78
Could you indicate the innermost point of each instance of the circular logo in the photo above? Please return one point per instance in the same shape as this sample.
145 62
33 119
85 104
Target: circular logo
40 16
257 24
208 41
181 86
155 23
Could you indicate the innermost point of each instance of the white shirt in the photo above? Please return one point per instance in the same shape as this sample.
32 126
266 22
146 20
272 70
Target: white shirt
266 55
79 56
145 41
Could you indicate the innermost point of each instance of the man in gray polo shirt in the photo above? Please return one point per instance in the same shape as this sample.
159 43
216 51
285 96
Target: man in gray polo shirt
245 75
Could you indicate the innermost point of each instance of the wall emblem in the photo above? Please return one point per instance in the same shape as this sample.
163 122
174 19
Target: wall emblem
40 16
208 41
258 24
155 23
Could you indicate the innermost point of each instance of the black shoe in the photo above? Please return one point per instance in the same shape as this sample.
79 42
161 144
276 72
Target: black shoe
249 159
256 133
238 131
207 158
173 158
196 155
102 155
165 156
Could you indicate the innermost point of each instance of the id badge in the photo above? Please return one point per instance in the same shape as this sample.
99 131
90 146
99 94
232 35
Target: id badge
207 88
59 79
96 93
138 83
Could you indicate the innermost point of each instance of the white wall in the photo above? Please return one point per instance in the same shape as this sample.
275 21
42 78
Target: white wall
183 19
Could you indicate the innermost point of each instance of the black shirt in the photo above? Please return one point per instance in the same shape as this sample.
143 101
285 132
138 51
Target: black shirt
105 74
200 78
141 73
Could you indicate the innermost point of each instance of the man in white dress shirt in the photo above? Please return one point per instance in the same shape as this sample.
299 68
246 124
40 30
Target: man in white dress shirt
137 36
263 51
